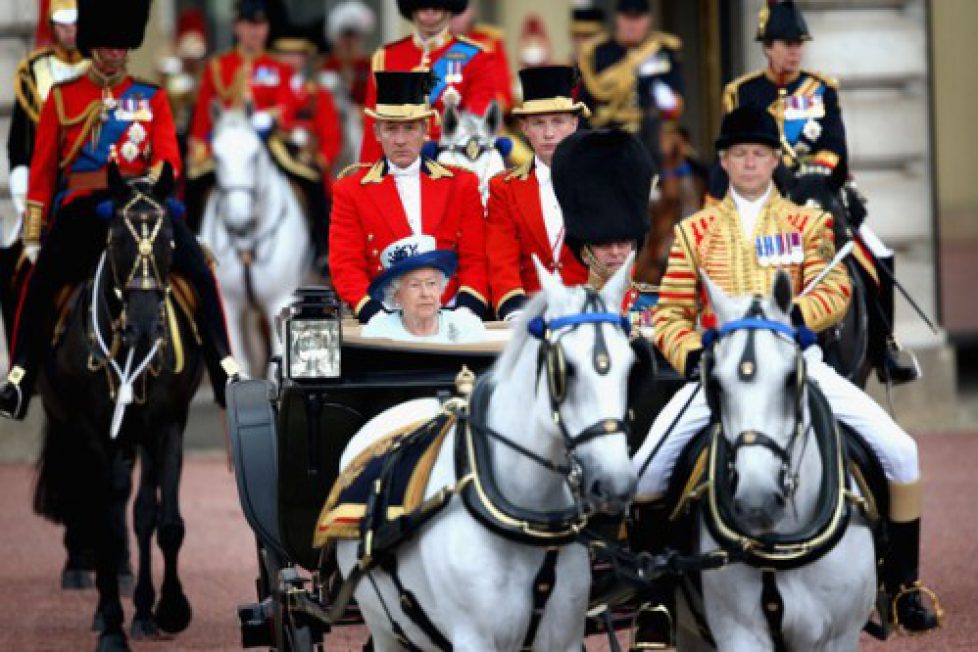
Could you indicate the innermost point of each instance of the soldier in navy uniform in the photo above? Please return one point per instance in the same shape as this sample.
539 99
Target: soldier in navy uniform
633 79
805 105
105 116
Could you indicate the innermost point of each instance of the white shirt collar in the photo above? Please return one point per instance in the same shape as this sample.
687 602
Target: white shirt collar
410 171
541 169
745 205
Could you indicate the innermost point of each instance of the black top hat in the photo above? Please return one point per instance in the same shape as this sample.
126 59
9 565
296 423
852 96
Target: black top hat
748 124
254 11
111 24
402 96
549 89
603 180
408 7
299 39
633 7
587 22
782 21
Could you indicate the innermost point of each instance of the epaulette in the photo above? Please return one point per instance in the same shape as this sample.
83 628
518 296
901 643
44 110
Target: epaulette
468 41
730 90
519 172
438 170
668 41
377 60
350 169
489 30
831 82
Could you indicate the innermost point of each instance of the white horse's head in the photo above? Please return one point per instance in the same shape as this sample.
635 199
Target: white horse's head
755 375
469 141
238 157
578 401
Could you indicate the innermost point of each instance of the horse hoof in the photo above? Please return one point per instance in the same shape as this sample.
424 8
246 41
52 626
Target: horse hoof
173 613
127 583
144 629
112 643
76 580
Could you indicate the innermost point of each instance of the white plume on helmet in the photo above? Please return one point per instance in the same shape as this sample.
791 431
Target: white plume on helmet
350 15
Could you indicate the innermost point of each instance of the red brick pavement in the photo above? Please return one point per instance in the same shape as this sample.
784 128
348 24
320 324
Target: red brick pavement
217 565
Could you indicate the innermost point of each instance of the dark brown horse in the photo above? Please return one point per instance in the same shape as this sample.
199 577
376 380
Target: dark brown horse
120 380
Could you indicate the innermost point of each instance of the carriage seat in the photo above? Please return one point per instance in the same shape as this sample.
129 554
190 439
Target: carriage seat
384 484
65 300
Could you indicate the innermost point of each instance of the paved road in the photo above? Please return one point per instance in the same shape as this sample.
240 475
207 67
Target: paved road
217 565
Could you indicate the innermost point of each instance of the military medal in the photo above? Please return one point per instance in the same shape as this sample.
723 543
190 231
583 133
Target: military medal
137 133
797 251
129 151
812 130
759 248
784 246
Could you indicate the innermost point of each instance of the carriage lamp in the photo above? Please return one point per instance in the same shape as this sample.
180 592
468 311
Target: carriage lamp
310 329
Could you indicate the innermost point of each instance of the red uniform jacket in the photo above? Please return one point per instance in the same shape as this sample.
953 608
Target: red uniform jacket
311 110
492 41
68 157
368 216
515 231
232 78
355 74
476 86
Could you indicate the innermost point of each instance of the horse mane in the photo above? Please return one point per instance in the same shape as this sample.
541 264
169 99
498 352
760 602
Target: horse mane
506 364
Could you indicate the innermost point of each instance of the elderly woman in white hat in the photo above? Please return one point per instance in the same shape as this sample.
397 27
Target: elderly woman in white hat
411 287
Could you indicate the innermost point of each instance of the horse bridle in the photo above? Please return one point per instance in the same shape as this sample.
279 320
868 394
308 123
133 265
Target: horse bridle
752 322
145 273
473 148
551 361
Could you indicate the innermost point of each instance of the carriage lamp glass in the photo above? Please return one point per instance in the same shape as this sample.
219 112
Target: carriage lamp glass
311 331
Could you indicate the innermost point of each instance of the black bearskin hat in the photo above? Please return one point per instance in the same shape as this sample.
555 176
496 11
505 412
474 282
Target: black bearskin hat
111 24
603 181
408 7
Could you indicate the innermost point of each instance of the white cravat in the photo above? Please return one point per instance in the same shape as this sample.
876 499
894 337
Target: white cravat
553 218
408 181
749 210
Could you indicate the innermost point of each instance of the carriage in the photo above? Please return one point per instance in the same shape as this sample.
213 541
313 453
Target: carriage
287 436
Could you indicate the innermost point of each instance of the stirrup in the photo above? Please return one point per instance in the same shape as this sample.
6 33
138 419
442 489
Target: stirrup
18 412
666 617
917 587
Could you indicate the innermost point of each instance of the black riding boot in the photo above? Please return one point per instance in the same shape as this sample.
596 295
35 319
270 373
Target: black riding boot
901 579
189 259
894 364
654 621
70 251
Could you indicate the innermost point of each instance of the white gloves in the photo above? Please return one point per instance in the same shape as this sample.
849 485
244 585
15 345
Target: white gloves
31 249
262 121
10 225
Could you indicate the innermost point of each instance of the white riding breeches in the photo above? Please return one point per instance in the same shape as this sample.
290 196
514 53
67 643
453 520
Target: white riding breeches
896 450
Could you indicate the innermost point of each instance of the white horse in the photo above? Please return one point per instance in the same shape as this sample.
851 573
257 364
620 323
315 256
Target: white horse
253 224
469 141
774 485
473 584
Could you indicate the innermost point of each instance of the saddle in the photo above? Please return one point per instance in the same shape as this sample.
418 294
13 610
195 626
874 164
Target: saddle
65 300
384 484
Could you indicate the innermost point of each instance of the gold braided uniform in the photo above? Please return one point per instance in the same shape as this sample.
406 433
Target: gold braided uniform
712 241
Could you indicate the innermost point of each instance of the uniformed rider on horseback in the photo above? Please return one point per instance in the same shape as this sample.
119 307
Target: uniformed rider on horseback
813 146
741 243
105 116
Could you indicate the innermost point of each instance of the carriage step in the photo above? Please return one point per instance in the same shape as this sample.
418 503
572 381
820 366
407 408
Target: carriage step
257 624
